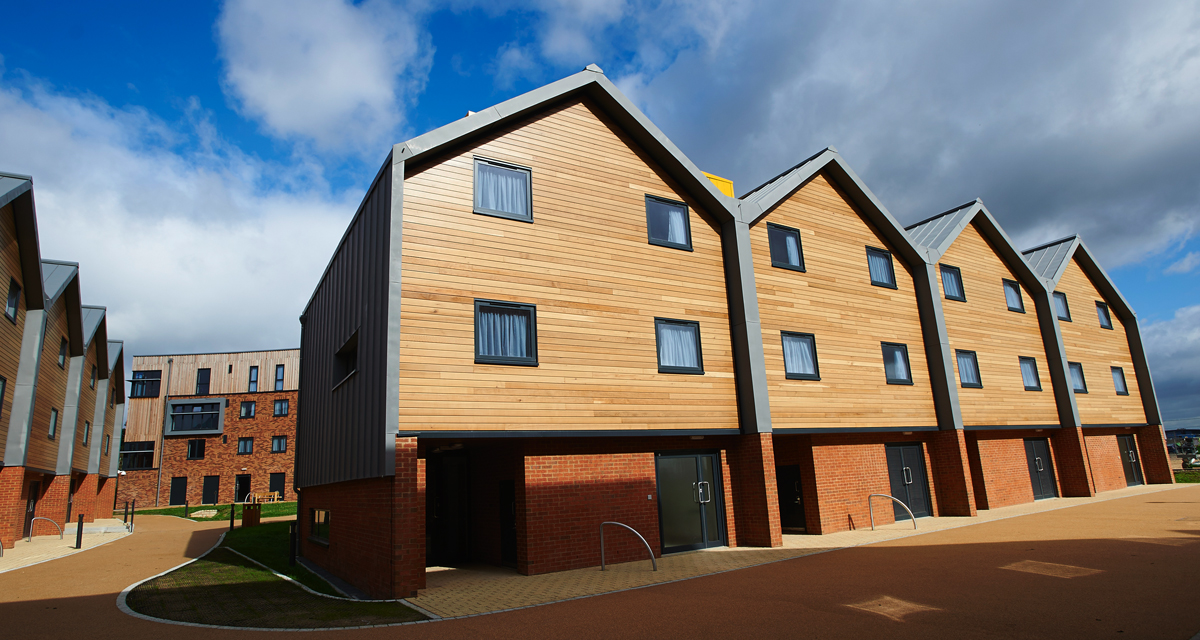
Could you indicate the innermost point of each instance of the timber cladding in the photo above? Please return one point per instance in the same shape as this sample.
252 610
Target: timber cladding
835 301
999 337
1098 350
51 390
10 332
87 410
585 262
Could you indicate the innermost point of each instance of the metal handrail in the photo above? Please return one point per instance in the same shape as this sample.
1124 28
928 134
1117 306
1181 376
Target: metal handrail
898 501
30 538
653 562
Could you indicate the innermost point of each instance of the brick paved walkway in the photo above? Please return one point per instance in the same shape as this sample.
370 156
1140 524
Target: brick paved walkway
43 548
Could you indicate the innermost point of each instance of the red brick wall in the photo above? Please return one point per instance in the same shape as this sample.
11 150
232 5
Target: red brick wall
754 492
1071 463
52 504
105 494
139 486
1005 471
951 472
12 504
1152 449
1106 462
408 517
84 500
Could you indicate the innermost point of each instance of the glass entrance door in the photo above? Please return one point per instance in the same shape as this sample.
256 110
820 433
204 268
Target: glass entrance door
689 501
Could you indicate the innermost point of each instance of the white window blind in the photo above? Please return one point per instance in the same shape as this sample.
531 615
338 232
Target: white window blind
968 369
678 345
799 355
502 189
880 265
1029 374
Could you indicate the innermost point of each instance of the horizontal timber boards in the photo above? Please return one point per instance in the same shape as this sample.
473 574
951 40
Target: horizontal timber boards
183 370
998 337
788 431
1098 350
587 265
87 410
835 301
577 433
10 332
51 390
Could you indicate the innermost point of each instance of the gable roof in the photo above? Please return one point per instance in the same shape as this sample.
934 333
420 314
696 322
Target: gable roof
1050 260
13 185
56 275
17 189
95 329
938 232
92 316
115 351
61 279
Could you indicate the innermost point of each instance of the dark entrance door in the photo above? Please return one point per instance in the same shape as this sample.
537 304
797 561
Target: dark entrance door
178 490
1129 460
71 488
35 489
447 509
241 487
211 486
689 501
278 483
906 470
791 498
508 523
1041 468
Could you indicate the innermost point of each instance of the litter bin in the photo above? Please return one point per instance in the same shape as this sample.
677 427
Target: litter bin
251 513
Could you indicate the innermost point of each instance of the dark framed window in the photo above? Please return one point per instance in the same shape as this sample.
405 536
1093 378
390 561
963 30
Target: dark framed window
968 369
200 416
1118 375
53 423
667 223
879 263
252 386
112 398
230 369
895 363
247 410
1029 374
137 455
202 378
1013 297
92 382
62 354
505 333
678 344
87 432
14 300
195 450
503 190
3 389
145 384
1105 317
245 446
318 527
1078 383
281 407
345 360
952 284
107 444
800 356
278 444
279 377
1060 306
786 250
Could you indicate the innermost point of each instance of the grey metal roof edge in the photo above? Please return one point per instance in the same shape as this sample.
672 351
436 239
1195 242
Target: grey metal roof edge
18 176
8 193
751 194
1107 287
208 353
113 354
1016 260
1049 244
944 213
52 296
943 235
90 325
1051 279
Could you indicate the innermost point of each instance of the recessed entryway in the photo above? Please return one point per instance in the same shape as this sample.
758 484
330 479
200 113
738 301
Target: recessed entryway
690 501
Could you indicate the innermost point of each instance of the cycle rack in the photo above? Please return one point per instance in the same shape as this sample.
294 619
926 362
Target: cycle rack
30 538
653 562
898 501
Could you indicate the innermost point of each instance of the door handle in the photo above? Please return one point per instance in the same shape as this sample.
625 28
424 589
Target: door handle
1038 463
703 487
907 475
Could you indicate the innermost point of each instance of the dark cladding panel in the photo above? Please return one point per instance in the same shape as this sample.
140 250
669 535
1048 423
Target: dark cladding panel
341 424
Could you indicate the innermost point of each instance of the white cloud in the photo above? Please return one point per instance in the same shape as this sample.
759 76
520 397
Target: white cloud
1185 264
513 62
336 73
1173 349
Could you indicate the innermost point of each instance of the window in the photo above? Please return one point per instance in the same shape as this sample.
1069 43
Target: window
145 384
1105 318
1060 306
879 262
202 378
1012 295
800 356
505 333
245 446
253 386
87 432
278 444
319 525
1119 381
667 223
53 423
1029 374
3 388
503 190
247 410
1077 381
230 369
93 381
345 361
952 284
14 300
137 455
895 363
678 346
968 369
112 398
195 450
786 252
62 354
196 417
279 377
281 408
107 444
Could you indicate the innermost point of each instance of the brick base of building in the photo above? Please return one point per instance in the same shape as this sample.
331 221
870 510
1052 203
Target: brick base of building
106 492
12 505
83 498
1000 470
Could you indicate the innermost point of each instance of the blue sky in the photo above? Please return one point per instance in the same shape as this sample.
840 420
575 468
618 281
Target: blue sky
218 149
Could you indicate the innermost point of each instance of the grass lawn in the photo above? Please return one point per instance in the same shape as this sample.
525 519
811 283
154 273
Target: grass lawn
1187 476
269 510
268 544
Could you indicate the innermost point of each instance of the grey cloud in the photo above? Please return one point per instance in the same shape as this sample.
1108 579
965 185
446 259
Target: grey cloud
1173 348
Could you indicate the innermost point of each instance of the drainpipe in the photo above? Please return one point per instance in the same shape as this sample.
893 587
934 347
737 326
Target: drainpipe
162 437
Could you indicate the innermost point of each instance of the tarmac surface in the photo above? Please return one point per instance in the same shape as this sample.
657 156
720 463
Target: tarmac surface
1119 568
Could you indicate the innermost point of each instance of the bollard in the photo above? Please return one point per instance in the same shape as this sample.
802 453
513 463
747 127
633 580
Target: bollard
126 518
79 534
292 544
132 512
232 510
185 509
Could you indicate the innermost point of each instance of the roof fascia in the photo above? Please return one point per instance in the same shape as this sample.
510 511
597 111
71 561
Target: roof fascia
1102 282
25 186
25 221
116 350
936 253
99 336
74 315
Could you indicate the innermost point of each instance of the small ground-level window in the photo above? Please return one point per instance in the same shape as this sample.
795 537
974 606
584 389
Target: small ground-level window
1105 318
968 369
1077 381
952 284
1060 306
1012 296
678 346
245 446
195 450
1029 374
278 444
505 333
247 410
281 407
1119 381
319 525
879 263
503 190
786 251
800 356
895 363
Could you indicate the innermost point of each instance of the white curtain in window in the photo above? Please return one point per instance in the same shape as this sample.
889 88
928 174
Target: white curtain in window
968 369
1105 320
1119 381
501 189
677 345
1012 295
951 283
1077 378
798 355
881 267
503 332
894 364
1029 374
676 231
793 250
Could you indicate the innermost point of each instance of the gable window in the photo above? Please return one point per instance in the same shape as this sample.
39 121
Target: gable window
145 384
247 410
505 333
952 284
678 344
1119 381
800 356
107 443
245 446
318 528
1060 306
345 361
279 377
230 369
786 252
1105 318
253 385
92 383
879 263
202 378
1012 296
196 417
137 455
53 423
62 354
14 300
667 223
281 408
503 190
278 444
1077 381
87 432
895 363
968 369
1029 374
195 450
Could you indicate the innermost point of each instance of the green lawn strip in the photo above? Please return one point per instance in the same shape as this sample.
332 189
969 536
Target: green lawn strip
1187 476
223 588
269 510
268 544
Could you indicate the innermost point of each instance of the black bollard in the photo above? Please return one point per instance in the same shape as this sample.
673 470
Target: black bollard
126 518
232 510
292 544
185 509
79 534
132 512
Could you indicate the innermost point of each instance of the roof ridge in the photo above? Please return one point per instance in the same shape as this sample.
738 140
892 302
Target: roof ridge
787 171
944 213
1050 244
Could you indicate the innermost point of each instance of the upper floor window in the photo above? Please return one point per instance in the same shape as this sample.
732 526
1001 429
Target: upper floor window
1060 306
145 384
667 223
505 333
1077 381
195 450
786 252
281 407
800 356
879 262
968 369
87 432
3 389
1119 381
1012 296
1029 374
279 377
247 410
137 455
92 382
253 385
318 527
14 299
895 363
62 354
202 378
245 446
952 284
1105 318
53 423
196 417
345 360
678 346
107 443
278 444
503 190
